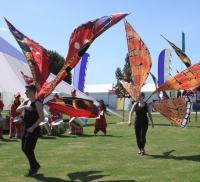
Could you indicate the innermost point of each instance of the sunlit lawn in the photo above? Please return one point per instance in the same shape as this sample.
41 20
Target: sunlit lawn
173 155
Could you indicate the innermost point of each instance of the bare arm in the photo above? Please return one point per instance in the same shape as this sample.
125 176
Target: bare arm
150 115
100 114
24 105
131 113
39 108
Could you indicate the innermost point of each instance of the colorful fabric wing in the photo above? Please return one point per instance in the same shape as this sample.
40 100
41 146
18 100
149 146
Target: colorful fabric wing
177 110
74 107
79 42
36 56
185 80
184 58
139 57
27 79
85 34
164 66
130 89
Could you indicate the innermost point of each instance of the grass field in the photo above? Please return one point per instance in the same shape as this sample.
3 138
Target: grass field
173 155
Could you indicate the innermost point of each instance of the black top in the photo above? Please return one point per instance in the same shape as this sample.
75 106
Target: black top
141 113
31 117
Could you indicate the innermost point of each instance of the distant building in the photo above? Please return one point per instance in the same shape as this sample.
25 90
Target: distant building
107 93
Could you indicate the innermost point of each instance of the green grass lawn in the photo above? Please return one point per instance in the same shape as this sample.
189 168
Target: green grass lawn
173 155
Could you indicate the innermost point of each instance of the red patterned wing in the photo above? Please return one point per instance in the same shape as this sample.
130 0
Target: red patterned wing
37 57
75 107
79 42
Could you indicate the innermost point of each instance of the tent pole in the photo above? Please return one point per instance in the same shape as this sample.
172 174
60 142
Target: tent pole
123 109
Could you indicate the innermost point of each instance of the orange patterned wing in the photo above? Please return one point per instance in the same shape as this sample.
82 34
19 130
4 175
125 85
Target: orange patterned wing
139 57
185 80
131 90
177 110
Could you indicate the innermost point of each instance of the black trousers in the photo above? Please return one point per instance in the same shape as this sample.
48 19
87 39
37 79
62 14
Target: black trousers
140 133
29 141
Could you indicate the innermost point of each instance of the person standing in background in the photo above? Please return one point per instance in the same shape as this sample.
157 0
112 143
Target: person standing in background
15 127
1 118
100 123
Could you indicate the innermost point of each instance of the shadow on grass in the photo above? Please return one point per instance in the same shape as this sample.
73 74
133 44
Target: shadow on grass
41 177
48 137
10 140
86 176
167 155
157 124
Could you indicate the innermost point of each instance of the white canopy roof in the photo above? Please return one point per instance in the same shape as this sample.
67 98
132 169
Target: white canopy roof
12 62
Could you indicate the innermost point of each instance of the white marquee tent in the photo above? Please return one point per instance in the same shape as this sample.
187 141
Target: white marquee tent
12 62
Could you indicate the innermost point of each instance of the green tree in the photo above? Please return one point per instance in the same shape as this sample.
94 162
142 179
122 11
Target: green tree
124 75
57 64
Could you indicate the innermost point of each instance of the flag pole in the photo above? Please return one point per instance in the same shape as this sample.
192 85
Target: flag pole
150 96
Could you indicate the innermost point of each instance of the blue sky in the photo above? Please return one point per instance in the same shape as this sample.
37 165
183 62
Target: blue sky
51 22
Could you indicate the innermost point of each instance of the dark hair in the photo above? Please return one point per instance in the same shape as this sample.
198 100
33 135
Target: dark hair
31 87
102 104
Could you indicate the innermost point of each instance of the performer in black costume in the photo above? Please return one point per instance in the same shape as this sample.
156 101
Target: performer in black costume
33 115
141 121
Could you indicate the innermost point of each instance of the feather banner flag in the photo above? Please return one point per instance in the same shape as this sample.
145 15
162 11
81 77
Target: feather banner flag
80 73
79 42
37 57
186 80
184 58
74 107
164 66
139 57
177 110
